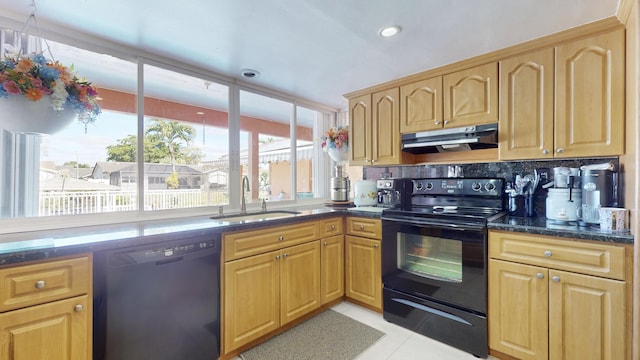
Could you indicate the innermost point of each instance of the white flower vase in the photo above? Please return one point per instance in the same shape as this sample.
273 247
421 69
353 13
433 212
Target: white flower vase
339 155
21 115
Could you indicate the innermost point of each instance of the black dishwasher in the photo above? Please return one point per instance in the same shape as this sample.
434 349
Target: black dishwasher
158 301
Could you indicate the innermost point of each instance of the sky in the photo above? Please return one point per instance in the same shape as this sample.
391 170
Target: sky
73 144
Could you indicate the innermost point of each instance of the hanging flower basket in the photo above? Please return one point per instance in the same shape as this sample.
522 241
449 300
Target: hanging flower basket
19 114
42 96
339 155
335 142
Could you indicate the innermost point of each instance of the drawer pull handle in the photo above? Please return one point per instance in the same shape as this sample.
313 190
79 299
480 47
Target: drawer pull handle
333 227
40 284
281 238
361 227
78 308
555 279
547 253
540 275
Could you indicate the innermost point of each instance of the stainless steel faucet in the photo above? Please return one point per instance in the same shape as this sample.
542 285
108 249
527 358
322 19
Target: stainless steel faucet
245 189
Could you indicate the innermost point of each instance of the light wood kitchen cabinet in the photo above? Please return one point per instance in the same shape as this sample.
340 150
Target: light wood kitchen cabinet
363 267
556 299
526 106
332 260
421 105
46 310
471 96
374 129
266 289
589 114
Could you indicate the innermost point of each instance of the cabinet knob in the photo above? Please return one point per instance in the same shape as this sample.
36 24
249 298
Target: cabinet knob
373 161
40 284
78 308
540 275
560 150
555 278
446 122
361 227
326 243
547 253
277 257
333 227
437 122
281 238
285 255
376 246
545 151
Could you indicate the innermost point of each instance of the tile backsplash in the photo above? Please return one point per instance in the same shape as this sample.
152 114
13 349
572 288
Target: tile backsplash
503 169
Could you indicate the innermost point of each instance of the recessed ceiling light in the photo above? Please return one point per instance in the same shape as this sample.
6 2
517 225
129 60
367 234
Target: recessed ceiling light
249 73
389 31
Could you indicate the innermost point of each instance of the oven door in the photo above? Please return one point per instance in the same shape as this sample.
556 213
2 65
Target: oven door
436 260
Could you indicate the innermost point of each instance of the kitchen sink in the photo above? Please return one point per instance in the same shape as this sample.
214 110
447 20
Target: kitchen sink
256 216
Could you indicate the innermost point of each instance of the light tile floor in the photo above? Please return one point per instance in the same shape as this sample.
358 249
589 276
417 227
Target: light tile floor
399 343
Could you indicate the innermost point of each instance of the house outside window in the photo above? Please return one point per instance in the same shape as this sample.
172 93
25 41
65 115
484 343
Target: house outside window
195 147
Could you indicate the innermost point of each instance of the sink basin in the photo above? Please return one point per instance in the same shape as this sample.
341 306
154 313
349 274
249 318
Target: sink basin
256 216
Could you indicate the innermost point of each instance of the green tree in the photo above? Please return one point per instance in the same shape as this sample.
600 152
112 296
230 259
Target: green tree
172 134
77 164
173 182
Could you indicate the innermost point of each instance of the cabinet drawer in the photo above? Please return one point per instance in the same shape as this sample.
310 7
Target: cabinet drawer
557 253
40 283
371 228
246 243
330 227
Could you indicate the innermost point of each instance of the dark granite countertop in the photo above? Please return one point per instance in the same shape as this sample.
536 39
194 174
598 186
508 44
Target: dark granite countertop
543 226
28 246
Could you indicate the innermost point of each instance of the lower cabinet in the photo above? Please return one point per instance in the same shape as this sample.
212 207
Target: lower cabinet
45 310
56 330
363 271
539 311
332 269
265 291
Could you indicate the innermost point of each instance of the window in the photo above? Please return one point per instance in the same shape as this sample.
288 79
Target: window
188 157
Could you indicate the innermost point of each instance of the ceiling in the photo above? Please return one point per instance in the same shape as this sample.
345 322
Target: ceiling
317 50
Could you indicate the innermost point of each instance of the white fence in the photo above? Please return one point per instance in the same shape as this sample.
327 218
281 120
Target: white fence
90 202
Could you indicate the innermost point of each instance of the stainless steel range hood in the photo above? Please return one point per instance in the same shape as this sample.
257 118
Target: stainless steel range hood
456 139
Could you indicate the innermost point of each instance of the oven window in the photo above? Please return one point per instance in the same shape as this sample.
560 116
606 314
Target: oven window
430 256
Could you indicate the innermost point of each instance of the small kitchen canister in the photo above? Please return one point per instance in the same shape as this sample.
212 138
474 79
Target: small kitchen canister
365 193
614 219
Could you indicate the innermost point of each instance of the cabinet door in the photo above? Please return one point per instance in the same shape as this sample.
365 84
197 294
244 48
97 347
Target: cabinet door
590 96
385 123
518 310
332 268
526 106
421 105
360 130
363 271
471 96
251 299
58 330
586 317
299 280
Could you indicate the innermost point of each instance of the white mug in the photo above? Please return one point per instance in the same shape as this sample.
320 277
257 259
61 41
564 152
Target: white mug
614 219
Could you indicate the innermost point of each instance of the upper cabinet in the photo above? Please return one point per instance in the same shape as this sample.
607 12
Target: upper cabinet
375 128
589 101
526 106
470 97
421 106
590 96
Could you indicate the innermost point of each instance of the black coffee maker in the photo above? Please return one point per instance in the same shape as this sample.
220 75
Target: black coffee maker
599 189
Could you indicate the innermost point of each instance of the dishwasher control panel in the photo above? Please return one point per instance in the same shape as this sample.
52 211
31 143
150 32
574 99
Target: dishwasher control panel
162 251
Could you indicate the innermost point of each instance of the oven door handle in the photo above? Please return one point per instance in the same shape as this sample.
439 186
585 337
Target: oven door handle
460 226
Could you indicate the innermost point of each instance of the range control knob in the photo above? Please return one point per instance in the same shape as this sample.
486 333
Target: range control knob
476 186
429 186
419 186
490 186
